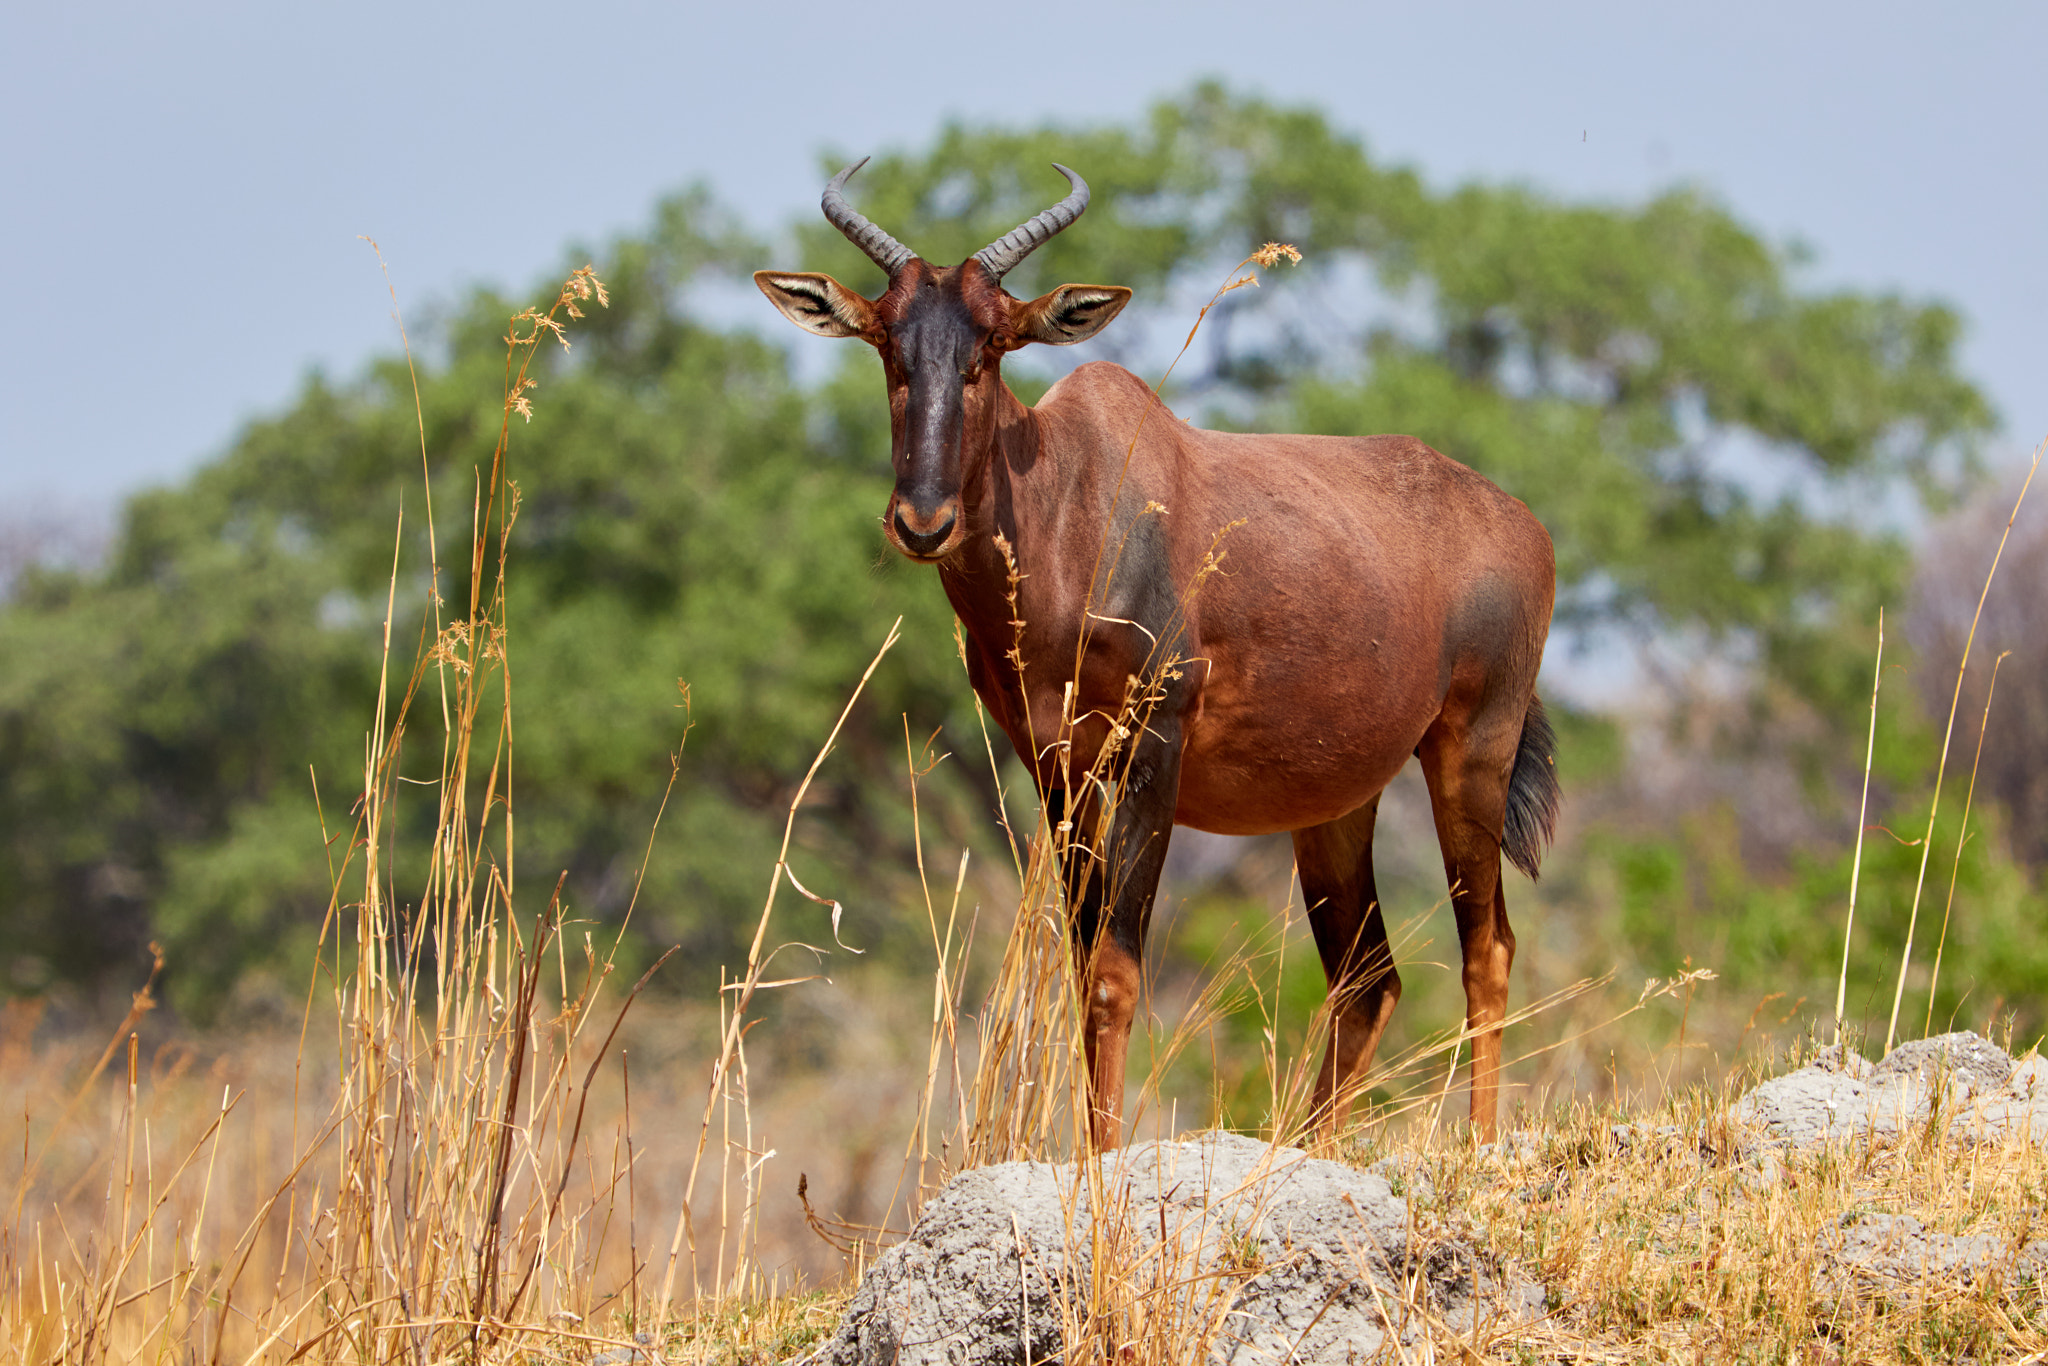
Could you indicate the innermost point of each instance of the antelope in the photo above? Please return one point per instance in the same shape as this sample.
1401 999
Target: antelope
1379 600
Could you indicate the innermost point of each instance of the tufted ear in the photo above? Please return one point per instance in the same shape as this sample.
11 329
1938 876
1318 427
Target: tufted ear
1071 313
817 303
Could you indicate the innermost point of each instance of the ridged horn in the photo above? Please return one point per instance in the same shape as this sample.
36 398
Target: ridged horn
884 250
1001 256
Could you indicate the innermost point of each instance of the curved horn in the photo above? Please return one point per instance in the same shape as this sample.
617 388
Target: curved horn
884 250
1001 256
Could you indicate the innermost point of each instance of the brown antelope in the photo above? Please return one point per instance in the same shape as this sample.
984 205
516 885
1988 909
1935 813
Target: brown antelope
1379 600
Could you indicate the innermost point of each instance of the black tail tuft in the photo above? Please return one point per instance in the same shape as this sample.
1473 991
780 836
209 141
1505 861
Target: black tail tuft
1532 792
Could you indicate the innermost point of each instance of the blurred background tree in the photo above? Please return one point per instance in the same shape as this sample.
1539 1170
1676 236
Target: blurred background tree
1728 461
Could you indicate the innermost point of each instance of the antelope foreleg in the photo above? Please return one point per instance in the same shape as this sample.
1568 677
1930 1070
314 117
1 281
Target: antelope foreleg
1334 861
1110 985
1113 872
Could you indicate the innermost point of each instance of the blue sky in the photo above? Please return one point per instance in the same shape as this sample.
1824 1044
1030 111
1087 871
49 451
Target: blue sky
186 184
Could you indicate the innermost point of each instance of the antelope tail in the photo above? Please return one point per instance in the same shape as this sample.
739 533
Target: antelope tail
1532 792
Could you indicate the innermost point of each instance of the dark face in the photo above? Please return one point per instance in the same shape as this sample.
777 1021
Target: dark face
942 334
935 352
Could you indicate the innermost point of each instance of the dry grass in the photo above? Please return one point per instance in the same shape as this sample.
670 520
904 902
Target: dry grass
1659 1235
1678 1246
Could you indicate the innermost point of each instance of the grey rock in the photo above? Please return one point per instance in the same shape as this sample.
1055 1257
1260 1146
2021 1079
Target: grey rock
1518 1148
1766 1170
1814 1104
1966 1061
1258 1253
1896 1256
1962 1084
1962 1081
1840 1058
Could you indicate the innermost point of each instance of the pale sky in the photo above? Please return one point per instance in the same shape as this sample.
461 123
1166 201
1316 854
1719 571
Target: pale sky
186 183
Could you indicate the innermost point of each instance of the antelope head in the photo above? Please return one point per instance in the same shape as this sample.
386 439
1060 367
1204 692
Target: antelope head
942 332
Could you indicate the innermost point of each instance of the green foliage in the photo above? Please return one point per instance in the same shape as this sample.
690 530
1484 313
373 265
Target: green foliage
1688 422
1591 749
1689 897
679 521
1649 901
140 712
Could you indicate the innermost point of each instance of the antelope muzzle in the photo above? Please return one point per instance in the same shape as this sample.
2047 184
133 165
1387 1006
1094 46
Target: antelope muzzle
921 532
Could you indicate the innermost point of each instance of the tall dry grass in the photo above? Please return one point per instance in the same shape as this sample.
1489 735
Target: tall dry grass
424 1179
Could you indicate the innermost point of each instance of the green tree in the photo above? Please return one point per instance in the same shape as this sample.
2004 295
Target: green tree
680 521
1688 421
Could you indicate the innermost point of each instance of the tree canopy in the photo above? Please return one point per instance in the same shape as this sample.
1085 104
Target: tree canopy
1708 443
1704 437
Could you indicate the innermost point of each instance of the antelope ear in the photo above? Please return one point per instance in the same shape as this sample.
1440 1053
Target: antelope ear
817 303
1071 313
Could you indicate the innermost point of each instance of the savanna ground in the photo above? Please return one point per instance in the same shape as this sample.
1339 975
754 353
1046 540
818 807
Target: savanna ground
224 1198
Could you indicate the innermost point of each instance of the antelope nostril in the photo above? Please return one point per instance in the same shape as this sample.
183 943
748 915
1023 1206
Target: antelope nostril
925 542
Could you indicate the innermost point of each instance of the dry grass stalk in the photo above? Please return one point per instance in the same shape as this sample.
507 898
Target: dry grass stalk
727 1101
1862 819
1948 734
1955 869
